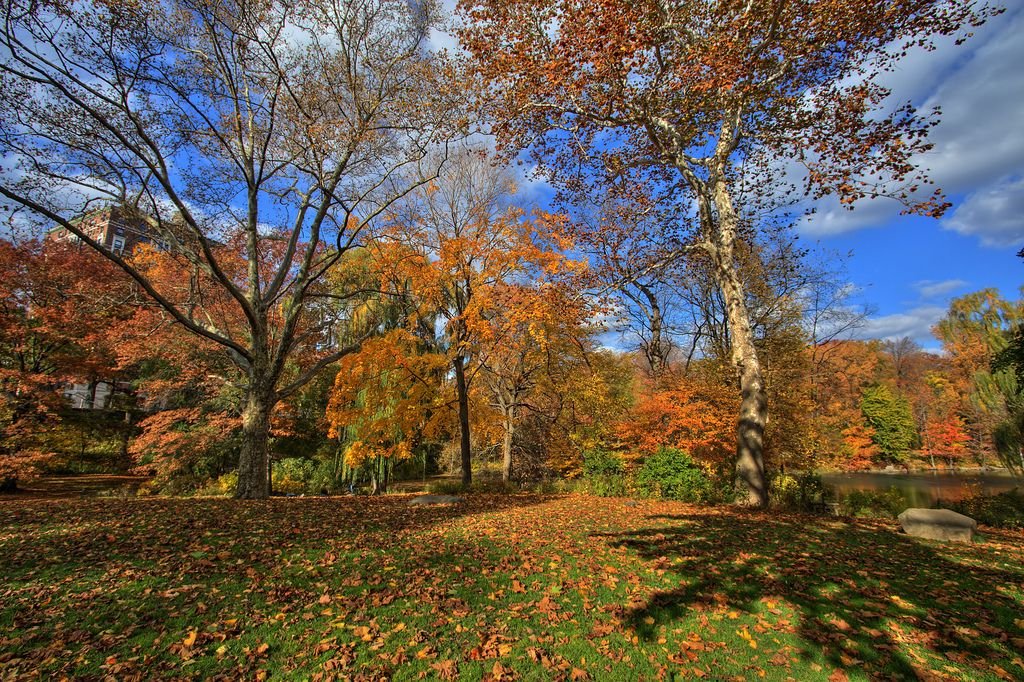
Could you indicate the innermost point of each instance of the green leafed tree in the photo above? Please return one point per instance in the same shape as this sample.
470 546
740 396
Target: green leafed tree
889 414
981 334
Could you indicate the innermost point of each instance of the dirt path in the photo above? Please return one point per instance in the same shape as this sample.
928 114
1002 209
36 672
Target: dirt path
58 487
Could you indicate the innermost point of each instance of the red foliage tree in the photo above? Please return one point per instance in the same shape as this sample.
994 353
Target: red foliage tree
57 306
682 413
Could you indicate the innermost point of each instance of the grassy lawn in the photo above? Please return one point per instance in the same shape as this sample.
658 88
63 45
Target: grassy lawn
500 588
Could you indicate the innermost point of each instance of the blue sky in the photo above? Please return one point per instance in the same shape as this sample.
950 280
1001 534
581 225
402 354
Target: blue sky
908 268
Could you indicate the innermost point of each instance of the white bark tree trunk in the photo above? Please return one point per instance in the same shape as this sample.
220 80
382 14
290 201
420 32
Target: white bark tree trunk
753 416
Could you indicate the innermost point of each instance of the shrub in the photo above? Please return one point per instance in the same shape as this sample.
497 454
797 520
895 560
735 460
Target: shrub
601 463
672 474
224 486
874 503
324 478
559 486
291 475
802 492
146 489
603 474
445 487
1005 510
121 492
606 485
494 486
487 485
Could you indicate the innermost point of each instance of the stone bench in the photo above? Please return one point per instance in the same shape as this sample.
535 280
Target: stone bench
938 524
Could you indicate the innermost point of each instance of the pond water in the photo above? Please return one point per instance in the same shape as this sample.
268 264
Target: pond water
923 489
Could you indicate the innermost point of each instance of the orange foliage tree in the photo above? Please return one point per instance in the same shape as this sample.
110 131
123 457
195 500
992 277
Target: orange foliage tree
944 432
839 373
291 124
57 303
528 330
193 392
450 248
947 438
386 399
859 444
693 97
684 413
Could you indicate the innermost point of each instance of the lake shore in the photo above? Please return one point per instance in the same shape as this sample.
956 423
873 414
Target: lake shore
899 471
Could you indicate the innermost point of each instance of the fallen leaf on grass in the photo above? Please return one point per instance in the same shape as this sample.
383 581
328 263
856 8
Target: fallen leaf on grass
446 669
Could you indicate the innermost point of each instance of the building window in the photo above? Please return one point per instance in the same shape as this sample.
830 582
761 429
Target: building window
118 245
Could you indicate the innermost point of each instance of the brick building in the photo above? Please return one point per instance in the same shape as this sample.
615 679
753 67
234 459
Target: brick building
118 229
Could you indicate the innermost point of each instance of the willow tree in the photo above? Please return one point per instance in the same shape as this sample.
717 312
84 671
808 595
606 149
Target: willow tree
273 130
709 102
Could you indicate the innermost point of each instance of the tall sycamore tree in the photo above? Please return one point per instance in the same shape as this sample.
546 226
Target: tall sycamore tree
294 124
708 100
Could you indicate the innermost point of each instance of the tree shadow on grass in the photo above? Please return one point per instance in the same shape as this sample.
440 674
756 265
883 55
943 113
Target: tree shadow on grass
187 534
87 575
864 596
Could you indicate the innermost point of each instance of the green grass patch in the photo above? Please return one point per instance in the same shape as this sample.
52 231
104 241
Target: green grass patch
501 587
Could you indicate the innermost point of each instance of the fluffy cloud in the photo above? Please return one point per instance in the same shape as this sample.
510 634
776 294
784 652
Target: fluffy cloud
995 214
979 140
829 218
979 147
931 289
916 323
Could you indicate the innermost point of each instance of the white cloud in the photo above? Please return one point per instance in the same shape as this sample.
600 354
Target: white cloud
830 218
915 323
995 215
932 289
979 139
445 38
978 143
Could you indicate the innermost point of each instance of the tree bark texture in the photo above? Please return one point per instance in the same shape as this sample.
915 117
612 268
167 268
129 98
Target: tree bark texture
753 416
254 460
462 391
506 447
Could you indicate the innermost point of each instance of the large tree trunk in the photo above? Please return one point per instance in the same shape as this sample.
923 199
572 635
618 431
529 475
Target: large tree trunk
506 446
464 442
750 433
753 415
254 461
